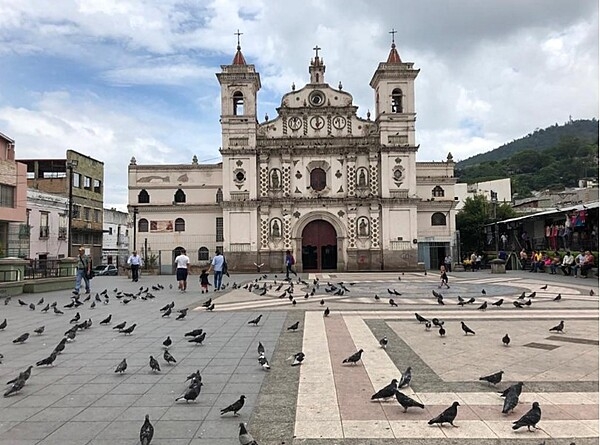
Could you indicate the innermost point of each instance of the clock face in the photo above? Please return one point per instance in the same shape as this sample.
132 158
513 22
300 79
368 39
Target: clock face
316 98
317 122
338 122
295 123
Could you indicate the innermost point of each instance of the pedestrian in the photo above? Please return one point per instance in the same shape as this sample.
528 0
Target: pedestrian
182 261
479 261
473 262
289 262
84 269
443 278
448 263
204 281
504 239
135 261
523 258
216 265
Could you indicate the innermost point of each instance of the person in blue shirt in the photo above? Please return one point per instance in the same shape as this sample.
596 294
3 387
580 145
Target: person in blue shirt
289 262
217 266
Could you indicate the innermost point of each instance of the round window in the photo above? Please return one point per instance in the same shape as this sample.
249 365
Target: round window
316 98
240 176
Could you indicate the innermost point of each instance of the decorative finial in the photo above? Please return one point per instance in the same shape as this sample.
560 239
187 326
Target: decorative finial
450 158
393 32
340 86
132 161
238 34
368 115
195 160
293 86
266 117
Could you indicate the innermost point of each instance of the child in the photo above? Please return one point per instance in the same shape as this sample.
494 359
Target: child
443 278
204 281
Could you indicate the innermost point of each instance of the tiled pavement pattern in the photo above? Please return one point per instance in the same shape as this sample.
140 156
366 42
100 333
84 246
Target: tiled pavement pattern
82 401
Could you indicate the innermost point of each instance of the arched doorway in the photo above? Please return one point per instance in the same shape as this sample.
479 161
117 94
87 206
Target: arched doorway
319 246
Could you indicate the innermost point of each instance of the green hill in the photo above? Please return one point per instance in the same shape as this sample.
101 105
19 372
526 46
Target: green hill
584 129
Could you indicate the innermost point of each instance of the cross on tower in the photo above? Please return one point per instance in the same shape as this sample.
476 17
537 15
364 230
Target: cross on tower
392 32
316 48
238 34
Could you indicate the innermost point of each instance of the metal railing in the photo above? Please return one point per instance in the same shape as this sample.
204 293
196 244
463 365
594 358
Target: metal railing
45 269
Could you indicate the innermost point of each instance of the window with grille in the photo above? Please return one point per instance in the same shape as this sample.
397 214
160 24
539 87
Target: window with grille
179 225
437 192
219 227
97 186
179 196
143 197
76 180
87 183
86 213
44 225
203 254
438 219
76 212
143 225
219 196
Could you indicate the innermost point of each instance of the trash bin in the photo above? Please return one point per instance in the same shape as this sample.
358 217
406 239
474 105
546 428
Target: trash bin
498 266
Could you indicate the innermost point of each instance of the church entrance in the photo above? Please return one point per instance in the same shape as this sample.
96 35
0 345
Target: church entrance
319 246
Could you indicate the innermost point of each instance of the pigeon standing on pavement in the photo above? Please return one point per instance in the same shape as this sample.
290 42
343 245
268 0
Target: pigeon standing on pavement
168 357
260 349
447 416
168 342
387 391
420 319
511 399
191 393
106 320
40 330
199 339
245 437
498 303
327 312
263 362
392 302
255 321
16 387
483 307
493 379
154 366
557 298
48 360
506 340
383 342
517 387
405 378
121 367
467 330
354 358
530 418
146 432
559 327
297 358
21 338
235 406
406 402
294 327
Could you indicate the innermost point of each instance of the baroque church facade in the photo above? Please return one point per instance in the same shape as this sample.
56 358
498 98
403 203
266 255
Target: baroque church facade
340 191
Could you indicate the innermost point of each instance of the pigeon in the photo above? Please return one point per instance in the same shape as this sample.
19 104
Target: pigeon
528 302
7 300
167 306
235 406
60 346
191 393
498 303
406 402
532 295
483 307
294 326
46 308
16 387
420 319
517 387
255 321
466 328
518 304
106 320
377 297
559 327
194 377
120 325
406 378
128 330
168 342
194 333
48 360
182 314
40 330
22 375
32 306
22 303
483 292
154 366
211 307
530 418
146 432
199 339
392 302
440 300
245 437
427 325
297 358
557 298
57 311
442 331
544 287
437 322
506 340
354 358
326 313
322 302
121 367
21 338
168 357
387 391
76 318
592 293
383 342
461 301
447 416
511 400
493 379
436 294
3 324
262 361
166 313
471 300
93 305
260 349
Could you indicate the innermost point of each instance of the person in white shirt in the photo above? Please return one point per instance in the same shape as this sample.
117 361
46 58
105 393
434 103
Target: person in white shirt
579 259
567 262
135 261
182 261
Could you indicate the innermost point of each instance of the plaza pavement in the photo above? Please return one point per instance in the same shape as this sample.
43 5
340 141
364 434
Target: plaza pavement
81 400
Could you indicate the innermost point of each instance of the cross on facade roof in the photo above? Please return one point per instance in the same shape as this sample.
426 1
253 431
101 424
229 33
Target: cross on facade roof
392 32
238 34
317 49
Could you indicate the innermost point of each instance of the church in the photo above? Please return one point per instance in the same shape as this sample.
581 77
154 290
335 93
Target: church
341 192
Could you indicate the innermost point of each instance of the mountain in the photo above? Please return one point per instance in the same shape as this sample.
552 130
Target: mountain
584 129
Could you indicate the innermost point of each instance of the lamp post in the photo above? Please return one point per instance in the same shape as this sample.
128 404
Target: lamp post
494 196
70 164
135 212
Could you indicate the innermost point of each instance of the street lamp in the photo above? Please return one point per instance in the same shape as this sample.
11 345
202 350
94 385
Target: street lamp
70 164
494 196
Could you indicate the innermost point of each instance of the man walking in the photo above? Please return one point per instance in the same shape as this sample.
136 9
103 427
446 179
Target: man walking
135 261
84 268
182 261
217 265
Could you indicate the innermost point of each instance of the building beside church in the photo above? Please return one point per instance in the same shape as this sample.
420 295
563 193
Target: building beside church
340 191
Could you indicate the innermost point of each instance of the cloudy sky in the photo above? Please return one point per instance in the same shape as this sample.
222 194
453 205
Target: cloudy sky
120 78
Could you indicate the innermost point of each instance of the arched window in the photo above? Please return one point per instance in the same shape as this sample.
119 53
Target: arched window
203 254
179 196
437 192
179 225
397 100
318 179
143 225
143 197
219 196
438 219
238 104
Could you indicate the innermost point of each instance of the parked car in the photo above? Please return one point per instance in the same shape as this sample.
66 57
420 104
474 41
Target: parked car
106 269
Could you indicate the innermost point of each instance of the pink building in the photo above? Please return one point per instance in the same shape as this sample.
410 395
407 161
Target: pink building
13 191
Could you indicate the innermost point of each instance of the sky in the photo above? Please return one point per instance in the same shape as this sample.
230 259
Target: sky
114 79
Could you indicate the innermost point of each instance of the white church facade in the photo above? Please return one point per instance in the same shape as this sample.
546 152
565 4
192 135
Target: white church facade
340 191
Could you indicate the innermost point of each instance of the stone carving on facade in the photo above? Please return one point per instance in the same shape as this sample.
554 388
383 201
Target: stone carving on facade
363 226
263 180
276 228
275 179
